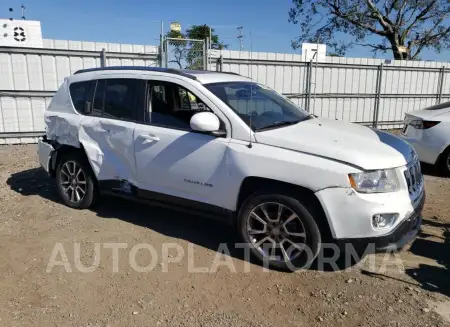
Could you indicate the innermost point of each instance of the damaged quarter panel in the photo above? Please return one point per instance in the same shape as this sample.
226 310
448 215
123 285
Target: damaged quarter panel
61 119
306 170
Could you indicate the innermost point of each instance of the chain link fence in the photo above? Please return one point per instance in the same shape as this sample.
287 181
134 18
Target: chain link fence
185 53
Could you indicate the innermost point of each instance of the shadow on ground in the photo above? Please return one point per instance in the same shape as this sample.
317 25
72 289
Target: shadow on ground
433 278
201 231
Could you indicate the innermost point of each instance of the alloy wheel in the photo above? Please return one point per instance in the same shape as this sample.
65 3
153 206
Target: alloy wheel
276 231
73 181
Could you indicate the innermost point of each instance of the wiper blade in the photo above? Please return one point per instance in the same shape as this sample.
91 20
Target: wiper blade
278 124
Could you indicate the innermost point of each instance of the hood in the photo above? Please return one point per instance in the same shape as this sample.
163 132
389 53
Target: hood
351 143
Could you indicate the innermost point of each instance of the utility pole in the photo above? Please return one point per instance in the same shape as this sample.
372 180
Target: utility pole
241 38
161 46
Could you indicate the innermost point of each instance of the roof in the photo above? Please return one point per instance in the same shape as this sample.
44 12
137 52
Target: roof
203 76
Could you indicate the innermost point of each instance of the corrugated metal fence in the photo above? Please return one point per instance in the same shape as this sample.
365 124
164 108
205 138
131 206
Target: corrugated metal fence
368 91
30 76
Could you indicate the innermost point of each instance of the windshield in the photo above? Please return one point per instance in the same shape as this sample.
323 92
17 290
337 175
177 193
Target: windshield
267 108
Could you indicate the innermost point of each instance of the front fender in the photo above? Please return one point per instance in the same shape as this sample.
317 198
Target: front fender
305 170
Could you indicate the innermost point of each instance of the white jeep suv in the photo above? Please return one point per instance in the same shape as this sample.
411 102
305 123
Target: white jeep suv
219 144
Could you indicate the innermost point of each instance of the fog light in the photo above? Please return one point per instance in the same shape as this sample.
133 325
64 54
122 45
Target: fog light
384 220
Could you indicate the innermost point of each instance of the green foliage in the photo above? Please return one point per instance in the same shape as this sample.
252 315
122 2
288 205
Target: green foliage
405 27
201 32
189 54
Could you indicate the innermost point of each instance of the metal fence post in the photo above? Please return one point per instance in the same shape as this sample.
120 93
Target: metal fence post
376 109
103 58
308 85
219 64
440 84
165 54
205 54
161 46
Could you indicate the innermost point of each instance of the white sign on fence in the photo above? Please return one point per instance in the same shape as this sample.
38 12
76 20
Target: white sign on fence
314 51
20 33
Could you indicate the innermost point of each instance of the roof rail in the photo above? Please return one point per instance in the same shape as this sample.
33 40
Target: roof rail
144 68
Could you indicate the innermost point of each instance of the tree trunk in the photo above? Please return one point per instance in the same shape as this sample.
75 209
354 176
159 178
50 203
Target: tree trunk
398 55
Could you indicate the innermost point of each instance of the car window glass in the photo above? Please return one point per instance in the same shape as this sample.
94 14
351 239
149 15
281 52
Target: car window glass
97 106
259 106
119 99
81 92
171 105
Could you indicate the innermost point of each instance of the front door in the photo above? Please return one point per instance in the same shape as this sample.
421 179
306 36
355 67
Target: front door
171 159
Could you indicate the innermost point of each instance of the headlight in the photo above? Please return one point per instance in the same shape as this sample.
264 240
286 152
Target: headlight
377 181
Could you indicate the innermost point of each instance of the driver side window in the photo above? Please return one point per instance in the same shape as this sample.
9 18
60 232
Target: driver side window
171 105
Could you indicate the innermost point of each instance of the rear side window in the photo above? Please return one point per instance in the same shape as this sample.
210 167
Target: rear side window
118 100
81 94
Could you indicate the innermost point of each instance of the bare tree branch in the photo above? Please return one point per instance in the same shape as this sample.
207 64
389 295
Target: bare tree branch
411 25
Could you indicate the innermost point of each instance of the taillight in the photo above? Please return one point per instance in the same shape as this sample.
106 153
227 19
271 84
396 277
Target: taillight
428 124
423 124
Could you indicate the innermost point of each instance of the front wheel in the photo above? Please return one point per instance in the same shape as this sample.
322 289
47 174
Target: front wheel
75 181
280 231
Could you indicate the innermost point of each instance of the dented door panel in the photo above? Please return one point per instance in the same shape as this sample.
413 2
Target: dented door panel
109 146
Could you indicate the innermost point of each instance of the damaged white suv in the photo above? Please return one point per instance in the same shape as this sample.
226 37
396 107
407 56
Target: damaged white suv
219 144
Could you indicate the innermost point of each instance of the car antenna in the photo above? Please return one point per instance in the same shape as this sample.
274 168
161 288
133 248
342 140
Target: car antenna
250 145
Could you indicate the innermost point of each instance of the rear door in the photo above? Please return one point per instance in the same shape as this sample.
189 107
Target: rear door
107 133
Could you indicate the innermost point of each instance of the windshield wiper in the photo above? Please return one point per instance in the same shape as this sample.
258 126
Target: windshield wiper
278 124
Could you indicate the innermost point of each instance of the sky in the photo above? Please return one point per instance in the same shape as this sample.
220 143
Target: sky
265 22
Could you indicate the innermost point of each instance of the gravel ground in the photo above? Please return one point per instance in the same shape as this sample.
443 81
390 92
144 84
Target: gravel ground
377 292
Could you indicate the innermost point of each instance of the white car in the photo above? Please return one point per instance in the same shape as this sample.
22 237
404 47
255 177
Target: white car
428 131
222 145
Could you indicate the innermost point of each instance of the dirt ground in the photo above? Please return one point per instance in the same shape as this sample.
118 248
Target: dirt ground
33 292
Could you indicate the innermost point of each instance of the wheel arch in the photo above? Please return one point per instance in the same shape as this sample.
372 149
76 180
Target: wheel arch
60 151
254 184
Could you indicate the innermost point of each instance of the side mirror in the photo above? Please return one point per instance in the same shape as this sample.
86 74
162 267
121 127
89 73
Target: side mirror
87 107
205 122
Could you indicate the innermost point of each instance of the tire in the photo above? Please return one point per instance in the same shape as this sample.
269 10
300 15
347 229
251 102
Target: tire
286 256
444 162
72 165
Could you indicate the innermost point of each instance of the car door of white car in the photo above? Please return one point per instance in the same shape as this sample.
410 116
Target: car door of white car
107 133
173 162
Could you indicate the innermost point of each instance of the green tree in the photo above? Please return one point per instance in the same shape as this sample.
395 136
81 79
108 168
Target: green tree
189 54
201 32
403 27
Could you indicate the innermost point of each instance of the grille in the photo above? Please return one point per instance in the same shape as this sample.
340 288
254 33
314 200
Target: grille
414 178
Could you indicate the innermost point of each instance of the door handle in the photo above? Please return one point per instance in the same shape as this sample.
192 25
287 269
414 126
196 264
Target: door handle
150 138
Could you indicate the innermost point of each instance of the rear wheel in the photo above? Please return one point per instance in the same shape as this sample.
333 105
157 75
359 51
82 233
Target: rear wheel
75 181
280 231
445 162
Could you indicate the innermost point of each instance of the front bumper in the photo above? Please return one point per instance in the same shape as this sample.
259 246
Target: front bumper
350 213
397 239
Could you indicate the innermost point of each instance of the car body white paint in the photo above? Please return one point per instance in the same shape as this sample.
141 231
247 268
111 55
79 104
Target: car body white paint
317 154
432 142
